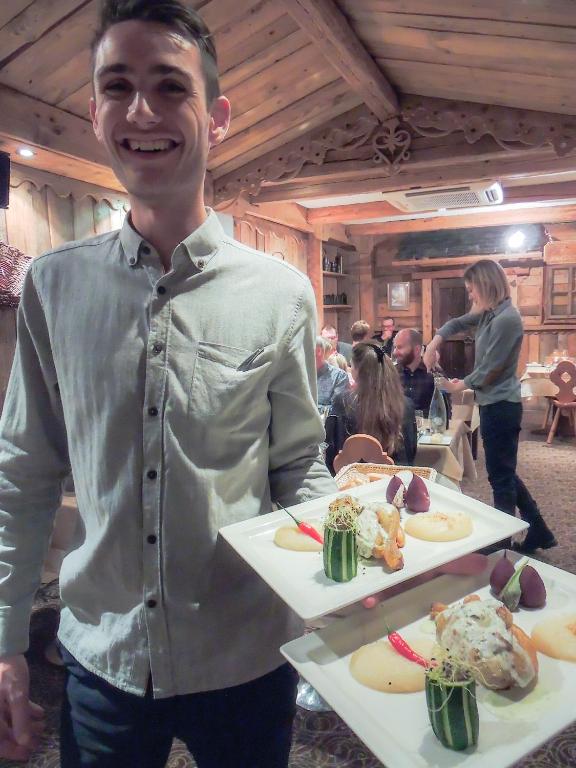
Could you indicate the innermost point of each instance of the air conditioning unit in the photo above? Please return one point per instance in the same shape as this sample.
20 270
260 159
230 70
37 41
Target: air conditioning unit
460 196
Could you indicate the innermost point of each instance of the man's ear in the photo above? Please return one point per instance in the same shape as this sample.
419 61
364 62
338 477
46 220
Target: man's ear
219 120
94 117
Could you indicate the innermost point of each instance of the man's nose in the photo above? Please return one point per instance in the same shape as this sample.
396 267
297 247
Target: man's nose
141 113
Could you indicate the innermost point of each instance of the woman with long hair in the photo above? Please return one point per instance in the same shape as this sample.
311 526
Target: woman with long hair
375 406
499 332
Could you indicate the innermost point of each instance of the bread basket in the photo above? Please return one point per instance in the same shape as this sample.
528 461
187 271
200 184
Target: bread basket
354 470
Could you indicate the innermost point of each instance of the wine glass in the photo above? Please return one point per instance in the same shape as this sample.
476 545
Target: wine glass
419 422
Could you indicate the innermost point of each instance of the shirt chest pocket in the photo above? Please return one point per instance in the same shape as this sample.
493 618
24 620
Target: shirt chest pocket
229 385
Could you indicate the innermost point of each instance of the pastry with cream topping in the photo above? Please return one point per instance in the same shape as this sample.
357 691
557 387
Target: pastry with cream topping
481 634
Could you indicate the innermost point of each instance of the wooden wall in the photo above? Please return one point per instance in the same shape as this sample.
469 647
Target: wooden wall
527 281
45 211
285 243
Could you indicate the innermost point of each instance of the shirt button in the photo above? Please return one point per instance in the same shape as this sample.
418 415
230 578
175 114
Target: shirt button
201 263
157 348
161 290
153 411
132 261
151 603
151 539
152 474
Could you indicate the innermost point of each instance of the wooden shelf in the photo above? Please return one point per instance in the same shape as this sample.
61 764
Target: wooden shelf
338 306
335 274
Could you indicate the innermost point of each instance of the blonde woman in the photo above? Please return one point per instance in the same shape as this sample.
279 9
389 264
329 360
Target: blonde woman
499 332
376 406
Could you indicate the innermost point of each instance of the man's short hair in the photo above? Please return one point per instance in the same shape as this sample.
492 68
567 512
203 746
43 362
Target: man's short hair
329 328
416 339
173 14
324 344
359 330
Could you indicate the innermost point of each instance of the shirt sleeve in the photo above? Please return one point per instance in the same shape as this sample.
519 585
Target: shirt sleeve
460 324
297 471
505 337
33 463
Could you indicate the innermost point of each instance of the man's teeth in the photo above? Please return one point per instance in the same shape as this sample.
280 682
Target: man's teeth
150 146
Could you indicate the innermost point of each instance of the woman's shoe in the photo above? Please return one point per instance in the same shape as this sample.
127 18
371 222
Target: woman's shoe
536 538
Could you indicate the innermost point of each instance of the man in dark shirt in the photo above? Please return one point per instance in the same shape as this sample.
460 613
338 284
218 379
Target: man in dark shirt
386 335
418 383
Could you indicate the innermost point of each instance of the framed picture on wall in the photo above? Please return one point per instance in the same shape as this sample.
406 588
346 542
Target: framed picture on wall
399 295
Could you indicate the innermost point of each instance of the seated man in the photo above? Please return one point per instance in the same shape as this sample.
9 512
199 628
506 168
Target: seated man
331 380
417 381
359 331
386 335
330 333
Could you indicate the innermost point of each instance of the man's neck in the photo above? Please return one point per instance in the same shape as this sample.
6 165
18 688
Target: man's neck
415 363
166 225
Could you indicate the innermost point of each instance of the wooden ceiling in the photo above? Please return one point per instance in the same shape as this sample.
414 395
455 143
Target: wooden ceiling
313 84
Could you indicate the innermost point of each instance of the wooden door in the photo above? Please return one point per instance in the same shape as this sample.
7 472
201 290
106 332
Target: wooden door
450 299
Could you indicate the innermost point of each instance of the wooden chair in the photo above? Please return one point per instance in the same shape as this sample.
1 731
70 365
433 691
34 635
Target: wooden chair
361 448
564 376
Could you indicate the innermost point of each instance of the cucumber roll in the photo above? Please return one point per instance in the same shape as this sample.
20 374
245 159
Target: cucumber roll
340 549
452 709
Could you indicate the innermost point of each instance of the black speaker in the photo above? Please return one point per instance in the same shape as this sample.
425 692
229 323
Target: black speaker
4 179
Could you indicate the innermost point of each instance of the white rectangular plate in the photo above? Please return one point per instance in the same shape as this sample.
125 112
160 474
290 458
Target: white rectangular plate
440 440
299 579
396 726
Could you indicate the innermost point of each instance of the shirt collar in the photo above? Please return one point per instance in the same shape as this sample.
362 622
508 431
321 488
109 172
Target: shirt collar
201 245
501 307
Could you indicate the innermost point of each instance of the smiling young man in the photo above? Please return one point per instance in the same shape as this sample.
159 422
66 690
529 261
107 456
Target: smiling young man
172 370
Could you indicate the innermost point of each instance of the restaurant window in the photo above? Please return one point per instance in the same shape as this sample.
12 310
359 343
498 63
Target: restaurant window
560 301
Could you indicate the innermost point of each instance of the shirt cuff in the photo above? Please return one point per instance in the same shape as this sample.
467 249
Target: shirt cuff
14 629
469 382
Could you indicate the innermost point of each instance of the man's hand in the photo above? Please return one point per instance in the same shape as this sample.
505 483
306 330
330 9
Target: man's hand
21 721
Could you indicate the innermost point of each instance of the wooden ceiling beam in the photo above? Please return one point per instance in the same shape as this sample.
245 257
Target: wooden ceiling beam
494 218
331 33
509 165
33 122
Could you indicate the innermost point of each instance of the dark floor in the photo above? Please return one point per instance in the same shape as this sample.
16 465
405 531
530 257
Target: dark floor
324 741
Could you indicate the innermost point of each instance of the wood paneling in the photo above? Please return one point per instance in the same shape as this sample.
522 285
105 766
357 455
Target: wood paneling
284 243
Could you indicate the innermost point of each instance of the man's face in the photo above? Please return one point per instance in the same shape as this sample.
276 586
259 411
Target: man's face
149 110
404 353
387 327
332 337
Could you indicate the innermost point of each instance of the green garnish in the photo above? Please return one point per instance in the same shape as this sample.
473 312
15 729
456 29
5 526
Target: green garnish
512 591
343 514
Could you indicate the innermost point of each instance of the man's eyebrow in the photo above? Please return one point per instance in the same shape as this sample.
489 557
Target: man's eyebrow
122 69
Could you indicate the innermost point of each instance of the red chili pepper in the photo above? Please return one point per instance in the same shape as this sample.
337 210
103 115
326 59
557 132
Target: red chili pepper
309 530
401 646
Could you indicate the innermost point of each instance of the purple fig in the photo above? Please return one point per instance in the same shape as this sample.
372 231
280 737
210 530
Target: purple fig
417 496
533 590
396 492
501 574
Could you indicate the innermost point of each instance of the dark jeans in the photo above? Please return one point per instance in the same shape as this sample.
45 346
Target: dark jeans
500 425
247 726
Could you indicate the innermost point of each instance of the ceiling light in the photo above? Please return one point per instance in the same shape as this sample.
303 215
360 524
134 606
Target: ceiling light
516 239
25 152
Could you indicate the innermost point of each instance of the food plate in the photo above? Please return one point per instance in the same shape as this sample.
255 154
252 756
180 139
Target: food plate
299 579
396 726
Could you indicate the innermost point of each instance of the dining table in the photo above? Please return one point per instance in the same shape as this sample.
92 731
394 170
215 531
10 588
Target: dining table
449 453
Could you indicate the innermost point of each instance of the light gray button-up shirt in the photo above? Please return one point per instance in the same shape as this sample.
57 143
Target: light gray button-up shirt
182 402
498 341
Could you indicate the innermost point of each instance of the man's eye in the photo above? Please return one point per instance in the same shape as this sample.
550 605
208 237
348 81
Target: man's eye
170 86
116 86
